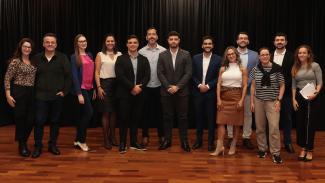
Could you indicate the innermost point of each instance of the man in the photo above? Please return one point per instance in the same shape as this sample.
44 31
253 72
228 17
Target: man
53 81
132 75
285 59
174 72
152 91
249 60
205 68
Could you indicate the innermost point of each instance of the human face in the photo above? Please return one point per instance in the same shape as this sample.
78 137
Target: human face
264 57
242 40
110 43
82 43
132 45
152 36
207 46
280 42
231 56
303 54
26 48
49 43
173 41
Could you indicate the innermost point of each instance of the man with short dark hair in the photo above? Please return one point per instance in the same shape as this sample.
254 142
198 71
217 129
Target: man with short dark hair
174 72
53 81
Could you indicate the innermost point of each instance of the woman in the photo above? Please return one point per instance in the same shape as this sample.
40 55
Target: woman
83 68
105 80
267 90
231 91
21 72
305 71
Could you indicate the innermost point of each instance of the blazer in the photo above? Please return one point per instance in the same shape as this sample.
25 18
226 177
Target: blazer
179 77
287 63
77 74
211 75
125 75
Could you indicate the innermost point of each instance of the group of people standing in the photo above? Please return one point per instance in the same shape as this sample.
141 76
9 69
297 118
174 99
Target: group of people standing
152 86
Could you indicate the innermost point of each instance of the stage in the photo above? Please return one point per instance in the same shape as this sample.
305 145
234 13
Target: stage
152 166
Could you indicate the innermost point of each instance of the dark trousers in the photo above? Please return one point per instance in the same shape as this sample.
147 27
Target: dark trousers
86 113
24 114
306 121
130 113
152 112
171 105
205 111
47 110
286 119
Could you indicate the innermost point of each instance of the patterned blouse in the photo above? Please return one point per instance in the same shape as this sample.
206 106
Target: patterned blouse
21 74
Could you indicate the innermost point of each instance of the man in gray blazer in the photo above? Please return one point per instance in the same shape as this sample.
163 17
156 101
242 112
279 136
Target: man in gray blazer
174 72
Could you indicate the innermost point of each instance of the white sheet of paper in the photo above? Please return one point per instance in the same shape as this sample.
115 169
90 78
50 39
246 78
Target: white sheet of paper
308 90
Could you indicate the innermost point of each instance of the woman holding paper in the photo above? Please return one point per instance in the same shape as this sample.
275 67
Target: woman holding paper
306 71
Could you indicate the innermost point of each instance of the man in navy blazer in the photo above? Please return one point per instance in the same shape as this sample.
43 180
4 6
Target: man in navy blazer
249 60
205 69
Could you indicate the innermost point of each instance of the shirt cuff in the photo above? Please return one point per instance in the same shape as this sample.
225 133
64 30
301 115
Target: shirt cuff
199 85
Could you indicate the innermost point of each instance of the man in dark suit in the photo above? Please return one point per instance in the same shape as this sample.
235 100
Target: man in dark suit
285 59
205 73
174 72
132 75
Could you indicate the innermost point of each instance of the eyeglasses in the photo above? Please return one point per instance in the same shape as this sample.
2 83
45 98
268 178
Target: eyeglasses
27 47
264 55
230 54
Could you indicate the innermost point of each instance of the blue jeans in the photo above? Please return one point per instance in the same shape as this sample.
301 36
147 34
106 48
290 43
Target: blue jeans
47 110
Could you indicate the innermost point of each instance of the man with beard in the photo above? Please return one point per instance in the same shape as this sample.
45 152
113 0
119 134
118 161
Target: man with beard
152 114
249 59
174 72
285 59
205 68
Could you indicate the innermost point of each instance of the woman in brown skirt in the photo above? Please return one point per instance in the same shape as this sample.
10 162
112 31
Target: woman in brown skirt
231 91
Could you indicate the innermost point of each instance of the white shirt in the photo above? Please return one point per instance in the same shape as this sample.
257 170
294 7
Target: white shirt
278 57
205 65
107 65
174 57
232 77
243 57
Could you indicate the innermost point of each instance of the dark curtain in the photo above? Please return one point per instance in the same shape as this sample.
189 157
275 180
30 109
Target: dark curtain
303 21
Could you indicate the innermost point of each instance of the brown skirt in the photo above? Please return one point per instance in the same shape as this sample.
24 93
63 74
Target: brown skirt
230 114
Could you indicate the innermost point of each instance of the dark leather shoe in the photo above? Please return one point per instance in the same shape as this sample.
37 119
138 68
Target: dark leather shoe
54 150
164 145
37 152
289 148
136 146
185 146
161 140
23 150
248 144
122 148
211 147
197 145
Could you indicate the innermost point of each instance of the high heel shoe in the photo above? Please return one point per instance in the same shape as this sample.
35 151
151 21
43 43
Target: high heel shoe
308 156
232 149
219 149
81 146
302 155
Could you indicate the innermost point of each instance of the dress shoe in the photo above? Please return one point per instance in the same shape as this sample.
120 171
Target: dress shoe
23 150
197 145
122 148
54 150
136 146
37 152
289 148
309 156
165 144
145 141
161 140
247 143
211 147
302 155
185 146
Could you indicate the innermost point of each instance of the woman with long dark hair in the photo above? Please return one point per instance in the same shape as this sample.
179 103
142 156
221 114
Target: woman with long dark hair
20 95
83 68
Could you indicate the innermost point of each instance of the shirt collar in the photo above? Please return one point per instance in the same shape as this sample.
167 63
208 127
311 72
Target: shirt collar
242 53
277 54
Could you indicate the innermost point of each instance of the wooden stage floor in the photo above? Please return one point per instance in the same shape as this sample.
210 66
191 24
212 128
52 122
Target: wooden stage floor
152 166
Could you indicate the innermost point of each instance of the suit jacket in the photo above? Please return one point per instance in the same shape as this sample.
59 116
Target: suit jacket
125 75
77 75
211 75
180 76
252 62
287 64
